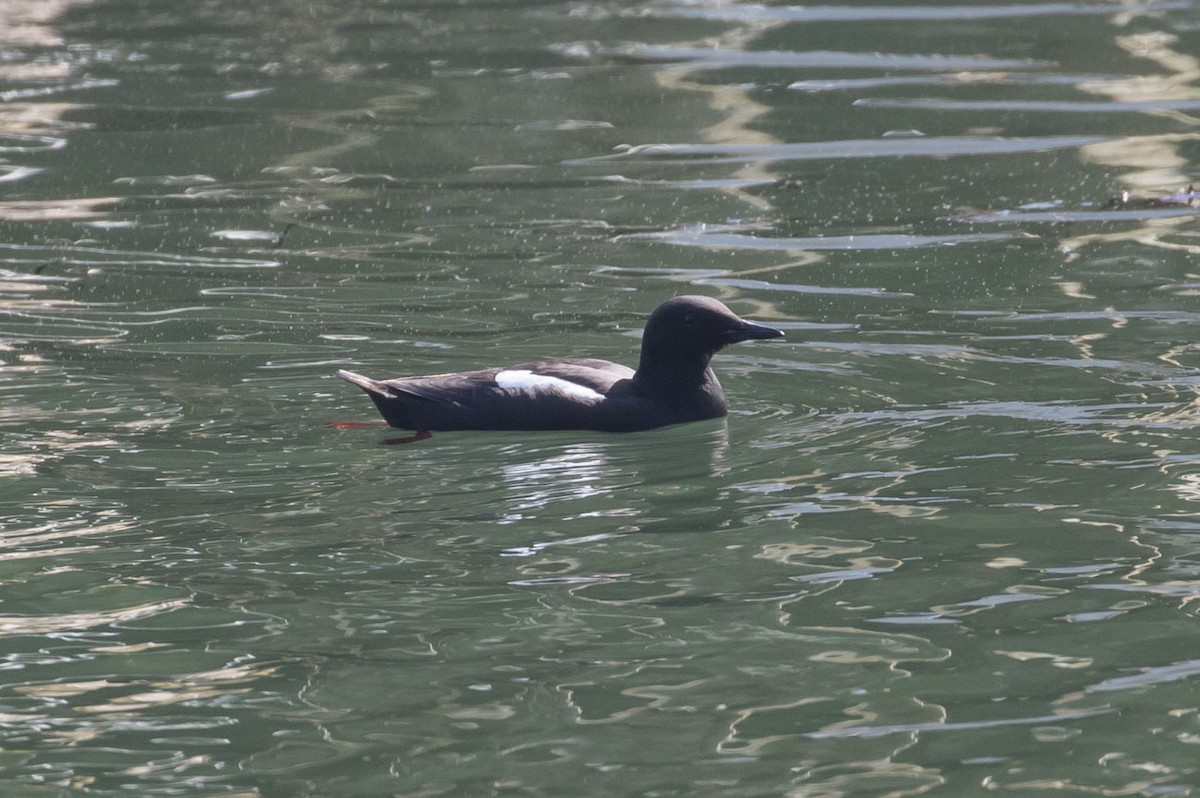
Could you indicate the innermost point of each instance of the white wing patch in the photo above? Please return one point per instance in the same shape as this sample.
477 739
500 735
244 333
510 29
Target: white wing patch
526 380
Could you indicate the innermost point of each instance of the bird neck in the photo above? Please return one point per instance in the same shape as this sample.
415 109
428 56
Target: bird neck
671 374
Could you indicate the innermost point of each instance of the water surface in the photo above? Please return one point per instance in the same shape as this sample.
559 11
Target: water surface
945 543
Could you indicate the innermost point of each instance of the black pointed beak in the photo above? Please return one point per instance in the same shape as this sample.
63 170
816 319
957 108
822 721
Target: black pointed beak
749 331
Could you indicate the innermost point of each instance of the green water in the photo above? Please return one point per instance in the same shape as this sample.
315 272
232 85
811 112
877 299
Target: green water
945 543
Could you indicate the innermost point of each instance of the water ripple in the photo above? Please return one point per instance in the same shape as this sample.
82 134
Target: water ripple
10 173
956 80
1055 106
20 142
77 621
796 288
712 237
814 59
85 256
1069 413
1148 677
1066 216
928 146
992 723
757 13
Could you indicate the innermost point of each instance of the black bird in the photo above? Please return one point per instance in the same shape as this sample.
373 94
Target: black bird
672 384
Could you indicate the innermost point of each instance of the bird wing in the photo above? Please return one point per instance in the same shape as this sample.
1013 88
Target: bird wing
447 389
580 377
598 375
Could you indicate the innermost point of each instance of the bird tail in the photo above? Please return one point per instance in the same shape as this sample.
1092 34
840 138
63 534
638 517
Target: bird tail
366 383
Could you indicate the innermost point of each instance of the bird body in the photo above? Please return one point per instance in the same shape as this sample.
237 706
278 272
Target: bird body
672 384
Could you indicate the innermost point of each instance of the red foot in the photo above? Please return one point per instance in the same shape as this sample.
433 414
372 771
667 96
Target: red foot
420 436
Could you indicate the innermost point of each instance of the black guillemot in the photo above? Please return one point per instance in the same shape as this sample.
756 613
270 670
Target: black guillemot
673 382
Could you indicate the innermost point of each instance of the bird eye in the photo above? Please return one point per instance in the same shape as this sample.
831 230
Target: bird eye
689 320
